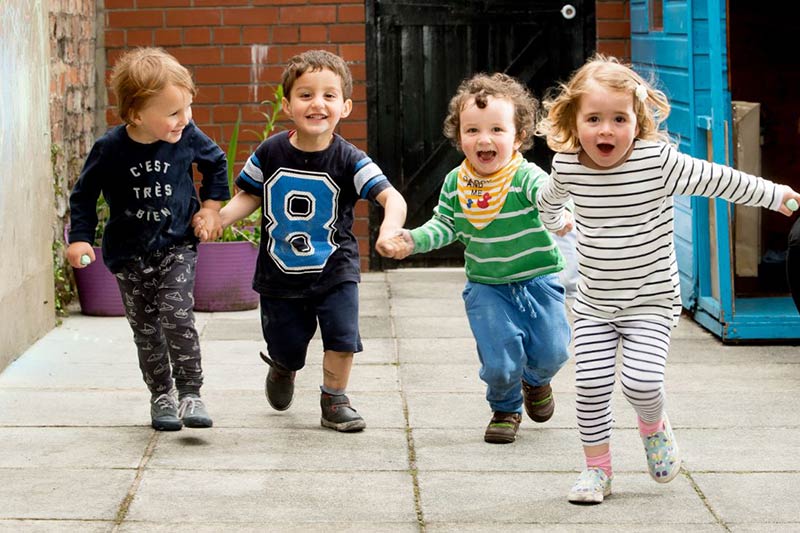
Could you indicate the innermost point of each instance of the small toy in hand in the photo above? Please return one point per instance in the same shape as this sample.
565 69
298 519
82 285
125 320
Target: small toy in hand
791 203
85 259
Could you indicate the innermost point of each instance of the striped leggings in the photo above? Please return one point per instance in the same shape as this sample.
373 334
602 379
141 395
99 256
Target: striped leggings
645 345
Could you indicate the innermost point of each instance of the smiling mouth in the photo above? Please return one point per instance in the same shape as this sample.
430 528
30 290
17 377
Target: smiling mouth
605 148
317 117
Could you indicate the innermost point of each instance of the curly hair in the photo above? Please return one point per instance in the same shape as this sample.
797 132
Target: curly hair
315 60
498 85
559 124
142 73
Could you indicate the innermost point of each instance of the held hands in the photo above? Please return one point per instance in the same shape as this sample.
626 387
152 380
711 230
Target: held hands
569 223
395 244
76 251
790 201
207 224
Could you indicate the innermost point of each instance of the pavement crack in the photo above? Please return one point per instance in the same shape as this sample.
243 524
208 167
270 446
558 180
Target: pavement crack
122 512
717 518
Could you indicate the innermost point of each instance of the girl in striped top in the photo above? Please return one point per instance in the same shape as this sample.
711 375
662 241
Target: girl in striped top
618 166
513 297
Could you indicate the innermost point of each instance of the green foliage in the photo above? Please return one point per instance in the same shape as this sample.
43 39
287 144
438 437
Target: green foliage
64 287
249 228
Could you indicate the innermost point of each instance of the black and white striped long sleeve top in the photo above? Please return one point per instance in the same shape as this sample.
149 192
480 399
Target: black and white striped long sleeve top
624 218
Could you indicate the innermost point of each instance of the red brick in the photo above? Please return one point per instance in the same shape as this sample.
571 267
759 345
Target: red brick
208 94
201 115
193 17
198 55
285 34
278 2
227 36
168 37
313 34
250 16
612 10
162 3
214 3
196 36
226 113
359 71
221 73
114 38
353 52
364 264
135 19
118 4
237 94
619 49
351 13
139 38
255 35
361 209
348 33
307 15
613 29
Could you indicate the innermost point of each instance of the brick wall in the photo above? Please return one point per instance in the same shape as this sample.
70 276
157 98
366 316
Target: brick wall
236 50
614 28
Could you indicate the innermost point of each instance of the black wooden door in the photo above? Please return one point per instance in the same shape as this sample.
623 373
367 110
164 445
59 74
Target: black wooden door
418 51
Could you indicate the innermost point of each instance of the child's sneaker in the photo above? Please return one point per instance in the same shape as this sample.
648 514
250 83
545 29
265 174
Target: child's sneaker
502 429
591 487
663 458
339 415
164 412
193 412
279 385
539 402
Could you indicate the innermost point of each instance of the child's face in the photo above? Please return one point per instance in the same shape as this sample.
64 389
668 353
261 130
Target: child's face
606 126
488 136
315 105
163 116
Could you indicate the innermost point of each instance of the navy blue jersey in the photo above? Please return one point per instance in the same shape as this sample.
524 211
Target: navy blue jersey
149 189
307 241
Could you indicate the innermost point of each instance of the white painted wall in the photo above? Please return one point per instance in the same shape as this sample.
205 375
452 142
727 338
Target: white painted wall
26 184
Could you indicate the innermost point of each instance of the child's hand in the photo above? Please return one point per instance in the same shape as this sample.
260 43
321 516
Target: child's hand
790 200
207 224
76 251
395 245
569 223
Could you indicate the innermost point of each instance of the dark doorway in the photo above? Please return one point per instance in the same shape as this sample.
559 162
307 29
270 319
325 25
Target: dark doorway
418 51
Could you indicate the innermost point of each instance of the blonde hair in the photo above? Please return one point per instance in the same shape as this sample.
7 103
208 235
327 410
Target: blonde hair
315 60
142 73
561 111
500 86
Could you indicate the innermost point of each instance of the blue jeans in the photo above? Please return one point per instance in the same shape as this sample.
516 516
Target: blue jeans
522 332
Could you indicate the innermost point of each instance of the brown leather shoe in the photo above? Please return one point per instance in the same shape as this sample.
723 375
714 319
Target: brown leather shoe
502 429
539 403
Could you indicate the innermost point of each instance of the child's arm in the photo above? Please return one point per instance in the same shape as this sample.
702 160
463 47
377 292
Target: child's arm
394 216
76 251
206 222
551 201
239 207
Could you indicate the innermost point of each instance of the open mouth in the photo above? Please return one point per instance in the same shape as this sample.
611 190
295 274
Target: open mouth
317 117
486 156
605 148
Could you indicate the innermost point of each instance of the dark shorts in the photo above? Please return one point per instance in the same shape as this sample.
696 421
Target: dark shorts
290 323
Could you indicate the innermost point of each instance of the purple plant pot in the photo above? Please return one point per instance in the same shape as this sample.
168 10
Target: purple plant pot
98 291
224 277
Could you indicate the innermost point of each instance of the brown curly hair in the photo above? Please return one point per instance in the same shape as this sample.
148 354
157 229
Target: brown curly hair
559 123
498 85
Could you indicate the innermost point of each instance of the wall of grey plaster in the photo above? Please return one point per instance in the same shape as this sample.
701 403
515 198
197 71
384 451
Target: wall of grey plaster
26 184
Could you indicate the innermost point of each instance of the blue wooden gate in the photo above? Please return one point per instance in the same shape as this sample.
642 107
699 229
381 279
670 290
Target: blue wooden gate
682 44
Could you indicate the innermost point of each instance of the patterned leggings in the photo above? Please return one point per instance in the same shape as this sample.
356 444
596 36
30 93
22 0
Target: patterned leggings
157 293
645 345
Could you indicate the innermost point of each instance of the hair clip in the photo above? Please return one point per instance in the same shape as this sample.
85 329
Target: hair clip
640 92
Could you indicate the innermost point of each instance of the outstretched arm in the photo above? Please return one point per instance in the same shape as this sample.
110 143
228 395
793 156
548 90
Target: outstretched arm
394 216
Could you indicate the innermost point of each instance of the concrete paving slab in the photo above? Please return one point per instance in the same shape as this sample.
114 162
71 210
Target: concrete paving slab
747 379
36 407
51 526
59 447
62 493
731 410
250 329
562 528
317 449
236 352
490 498
433 350
713 450
428 307
270 496
362 377
283 527
752 498
424 327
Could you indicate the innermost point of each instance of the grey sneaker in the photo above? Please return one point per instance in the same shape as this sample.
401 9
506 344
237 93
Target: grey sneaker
279 385
164 412
339 415
193 412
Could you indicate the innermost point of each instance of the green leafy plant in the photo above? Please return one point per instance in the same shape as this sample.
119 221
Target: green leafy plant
249 228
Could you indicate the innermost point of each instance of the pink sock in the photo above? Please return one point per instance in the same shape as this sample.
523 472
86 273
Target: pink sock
602 462
648 428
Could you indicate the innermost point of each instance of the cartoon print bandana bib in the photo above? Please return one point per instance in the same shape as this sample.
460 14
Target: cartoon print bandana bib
482 197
